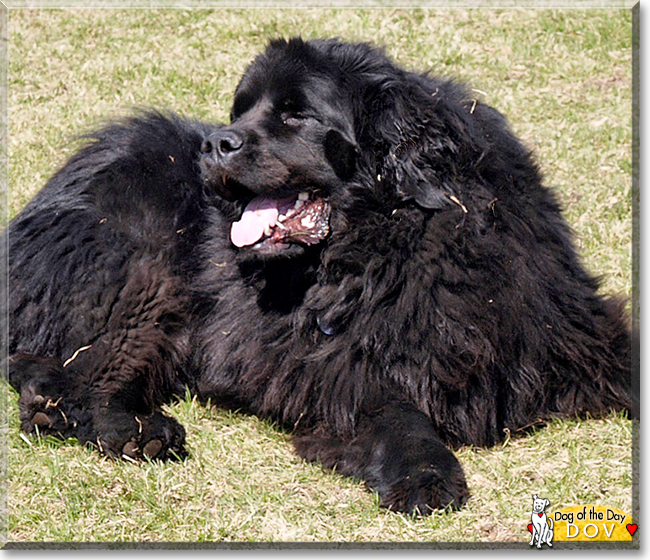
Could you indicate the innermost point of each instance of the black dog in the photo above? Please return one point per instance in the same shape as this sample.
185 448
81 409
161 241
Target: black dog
448 303
100 264
398 279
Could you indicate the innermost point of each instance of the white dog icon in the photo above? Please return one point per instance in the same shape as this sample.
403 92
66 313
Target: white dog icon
540 526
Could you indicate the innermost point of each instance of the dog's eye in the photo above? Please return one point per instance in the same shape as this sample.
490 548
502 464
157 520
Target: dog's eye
292 120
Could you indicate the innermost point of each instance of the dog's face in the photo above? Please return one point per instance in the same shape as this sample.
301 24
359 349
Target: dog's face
539 504
289 146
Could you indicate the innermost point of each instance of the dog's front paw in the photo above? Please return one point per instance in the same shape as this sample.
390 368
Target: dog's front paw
153 436
424 491
161 437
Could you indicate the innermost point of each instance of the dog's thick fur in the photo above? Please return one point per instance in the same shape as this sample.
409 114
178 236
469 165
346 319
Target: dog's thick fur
446 305
99 267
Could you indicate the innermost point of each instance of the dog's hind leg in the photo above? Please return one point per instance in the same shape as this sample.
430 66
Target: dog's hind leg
397 452
549 534
108 392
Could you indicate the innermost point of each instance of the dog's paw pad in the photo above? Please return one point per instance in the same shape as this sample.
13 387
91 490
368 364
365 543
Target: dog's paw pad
152 448
42 420
48 419
151 437
131 449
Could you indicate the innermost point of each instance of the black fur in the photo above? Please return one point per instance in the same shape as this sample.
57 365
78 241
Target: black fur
99 263
446 305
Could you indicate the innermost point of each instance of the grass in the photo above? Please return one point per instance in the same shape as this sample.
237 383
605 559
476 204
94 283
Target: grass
242 482
563 77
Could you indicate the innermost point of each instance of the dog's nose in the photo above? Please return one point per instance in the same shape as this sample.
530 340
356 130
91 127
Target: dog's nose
223 143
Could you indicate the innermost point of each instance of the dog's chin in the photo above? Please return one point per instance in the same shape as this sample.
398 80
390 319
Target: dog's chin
270 251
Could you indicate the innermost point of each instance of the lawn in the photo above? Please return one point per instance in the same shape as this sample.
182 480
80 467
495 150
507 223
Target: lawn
563 78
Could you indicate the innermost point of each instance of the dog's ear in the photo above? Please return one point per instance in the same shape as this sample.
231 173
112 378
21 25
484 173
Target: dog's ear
419 173
547 503
424 194
534 496
341 153
421 142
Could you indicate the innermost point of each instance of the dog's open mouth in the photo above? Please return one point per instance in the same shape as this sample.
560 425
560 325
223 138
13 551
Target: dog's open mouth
268 222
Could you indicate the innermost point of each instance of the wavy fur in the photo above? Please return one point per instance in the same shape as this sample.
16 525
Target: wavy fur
447 306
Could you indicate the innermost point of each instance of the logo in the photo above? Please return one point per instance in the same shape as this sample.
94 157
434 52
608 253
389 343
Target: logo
540 525
583 523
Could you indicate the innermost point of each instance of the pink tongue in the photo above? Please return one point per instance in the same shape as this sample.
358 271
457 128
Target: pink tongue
260 213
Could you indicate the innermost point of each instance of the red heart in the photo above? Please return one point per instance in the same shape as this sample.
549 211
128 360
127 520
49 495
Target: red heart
540 514
530 527
632 528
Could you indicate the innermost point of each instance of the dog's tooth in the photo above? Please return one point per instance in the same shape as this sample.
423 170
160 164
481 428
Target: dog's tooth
267 230
303 196
280 224
308 222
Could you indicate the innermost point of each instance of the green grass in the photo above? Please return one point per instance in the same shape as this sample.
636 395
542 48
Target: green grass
563 77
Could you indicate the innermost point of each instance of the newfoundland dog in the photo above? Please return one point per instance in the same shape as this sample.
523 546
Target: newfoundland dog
365 254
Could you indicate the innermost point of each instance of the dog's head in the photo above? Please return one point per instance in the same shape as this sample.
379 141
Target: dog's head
289 146
317 124
539 504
